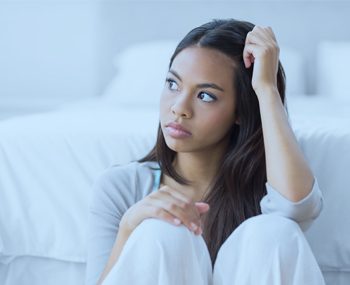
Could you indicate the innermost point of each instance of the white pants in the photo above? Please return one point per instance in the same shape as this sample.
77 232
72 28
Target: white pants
264 250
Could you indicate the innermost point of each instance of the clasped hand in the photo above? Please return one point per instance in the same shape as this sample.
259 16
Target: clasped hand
169 205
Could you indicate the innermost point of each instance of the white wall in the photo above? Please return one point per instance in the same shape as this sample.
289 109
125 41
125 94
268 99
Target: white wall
47 53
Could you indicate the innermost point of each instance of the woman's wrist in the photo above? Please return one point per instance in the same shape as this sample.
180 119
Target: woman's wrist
124 228
267 91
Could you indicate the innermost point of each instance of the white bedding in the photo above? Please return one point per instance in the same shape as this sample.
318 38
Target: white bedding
32 270
48 162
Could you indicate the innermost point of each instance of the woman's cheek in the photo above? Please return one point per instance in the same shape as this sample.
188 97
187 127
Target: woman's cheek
219 123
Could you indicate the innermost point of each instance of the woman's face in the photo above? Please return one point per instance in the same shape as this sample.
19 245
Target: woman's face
198 100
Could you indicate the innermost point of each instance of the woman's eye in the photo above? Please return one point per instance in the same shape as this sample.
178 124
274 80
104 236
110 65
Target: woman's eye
206 97
171 83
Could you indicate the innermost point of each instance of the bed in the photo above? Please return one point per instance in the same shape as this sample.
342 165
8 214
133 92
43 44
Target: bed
48 162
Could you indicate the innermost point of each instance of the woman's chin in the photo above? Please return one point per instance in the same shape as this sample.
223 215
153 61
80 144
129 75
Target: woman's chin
178 146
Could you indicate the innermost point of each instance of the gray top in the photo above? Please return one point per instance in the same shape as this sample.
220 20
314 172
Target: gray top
119 187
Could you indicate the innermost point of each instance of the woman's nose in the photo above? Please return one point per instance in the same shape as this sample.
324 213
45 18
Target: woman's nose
182 107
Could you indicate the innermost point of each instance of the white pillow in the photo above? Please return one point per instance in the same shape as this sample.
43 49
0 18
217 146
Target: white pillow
292 62
141 73
142 68
333 60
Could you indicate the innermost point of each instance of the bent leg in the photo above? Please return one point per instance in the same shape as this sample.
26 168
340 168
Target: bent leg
267 250
159 253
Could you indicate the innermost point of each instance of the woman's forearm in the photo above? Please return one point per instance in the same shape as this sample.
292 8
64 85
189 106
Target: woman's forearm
122 237
287 169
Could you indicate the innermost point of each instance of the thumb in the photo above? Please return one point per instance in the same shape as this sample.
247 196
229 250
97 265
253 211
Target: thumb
202 207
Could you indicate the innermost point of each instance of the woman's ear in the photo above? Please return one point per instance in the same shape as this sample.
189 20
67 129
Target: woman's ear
237 121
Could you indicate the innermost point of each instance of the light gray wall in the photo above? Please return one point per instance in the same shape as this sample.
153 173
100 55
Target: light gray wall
47 54
55 51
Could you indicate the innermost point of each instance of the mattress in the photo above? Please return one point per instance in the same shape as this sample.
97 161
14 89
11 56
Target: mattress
32 270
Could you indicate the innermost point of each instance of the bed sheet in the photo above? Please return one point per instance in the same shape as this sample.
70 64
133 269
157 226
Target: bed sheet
322 127
30 270
48 164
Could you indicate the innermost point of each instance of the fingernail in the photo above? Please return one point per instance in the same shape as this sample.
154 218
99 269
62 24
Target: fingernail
194 226
177 221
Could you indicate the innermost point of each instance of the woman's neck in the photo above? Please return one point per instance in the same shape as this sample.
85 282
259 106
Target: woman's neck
198 168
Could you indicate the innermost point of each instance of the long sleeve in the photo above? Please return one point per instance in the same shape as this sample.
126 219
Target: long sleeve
112 196
304 212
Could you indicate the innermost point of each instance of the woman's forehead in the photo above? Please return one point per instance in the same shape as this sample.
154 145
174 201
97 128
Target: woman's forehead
206 64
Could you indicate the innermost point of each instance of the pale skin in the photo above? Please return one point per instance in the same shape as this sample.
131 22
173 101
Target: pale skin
209 120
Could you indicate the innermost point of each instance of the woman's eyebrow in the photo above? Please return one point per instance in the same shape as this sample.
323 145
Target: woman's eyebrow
202 85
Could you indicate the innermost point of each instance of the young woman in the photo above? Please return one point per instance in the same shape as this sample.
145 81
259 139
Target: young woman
225 194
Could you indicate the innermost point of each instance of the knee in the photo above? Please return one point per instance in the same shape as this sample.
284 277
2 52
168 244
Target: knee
260 237
156 231
168 248
270 230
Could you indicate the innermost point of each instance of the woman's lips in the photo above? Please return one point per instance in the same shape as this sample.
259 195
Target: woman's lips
175 130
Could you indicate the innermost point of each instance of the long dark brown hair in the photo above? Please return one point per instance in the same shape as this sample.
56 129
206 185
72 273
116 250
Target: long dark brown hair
239 184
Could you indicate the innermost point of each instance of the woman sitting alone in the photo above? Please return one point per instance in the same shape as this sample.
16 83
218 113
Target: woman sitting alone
225 195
